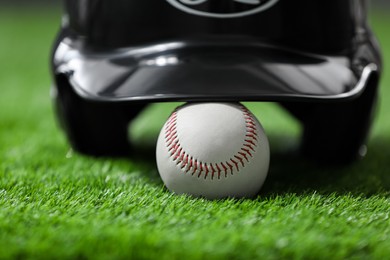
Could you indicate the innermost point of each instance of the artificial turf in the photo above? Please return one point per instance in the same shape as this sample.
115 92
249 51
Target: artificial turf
56 204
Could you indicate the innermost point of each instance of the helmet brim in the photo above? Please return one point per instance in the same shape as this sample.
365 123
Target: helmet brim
179 72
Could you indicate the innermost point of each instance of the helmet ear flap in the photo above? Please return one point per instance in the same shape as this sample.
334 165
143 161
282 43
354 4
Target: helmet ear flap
336 133
93 128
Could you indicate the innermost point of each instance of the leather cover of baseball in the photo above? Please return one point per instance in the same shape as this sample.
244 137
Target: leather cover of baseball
213 150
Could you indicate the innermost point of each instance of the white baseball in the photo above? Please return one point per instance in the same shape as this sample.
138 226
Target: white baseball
213 150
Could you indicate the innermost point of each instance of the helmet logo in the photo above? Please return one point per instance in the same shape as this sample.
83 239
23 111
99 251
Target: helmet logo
222 8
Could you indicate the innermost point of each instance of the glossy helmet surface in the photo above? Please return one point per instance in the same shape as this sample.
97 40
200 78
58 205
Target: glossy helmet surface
125 54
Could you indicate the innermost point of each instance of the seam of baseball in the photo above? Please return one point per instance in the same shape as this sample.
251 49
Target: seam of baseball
198 168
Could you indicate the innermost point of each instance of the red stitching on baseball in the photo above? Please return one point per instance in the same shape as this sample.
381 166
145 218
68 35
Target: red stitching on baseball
247 151
207 170
224 168
195 166
230 167
219 171
243 154
192 165
212 170
236 164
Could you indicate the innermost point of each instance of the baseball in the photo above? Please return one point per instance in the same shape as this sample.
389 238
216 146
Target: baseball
213 150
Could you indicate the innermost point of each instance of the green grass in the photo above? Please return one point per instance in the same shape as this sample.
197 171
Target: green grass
57 204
